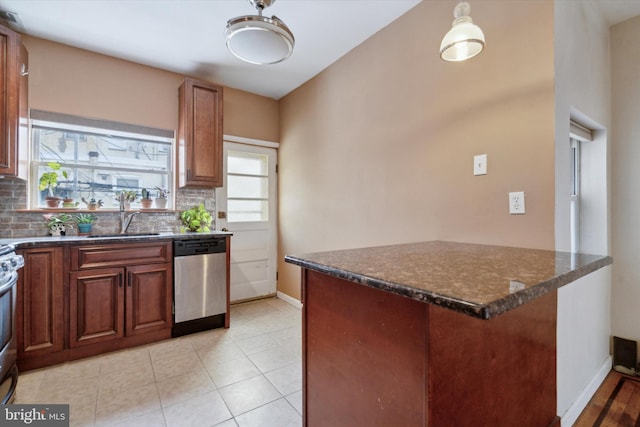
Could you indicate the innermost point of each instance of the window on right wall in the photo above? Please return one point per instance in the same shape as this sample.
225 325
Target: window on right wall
578 135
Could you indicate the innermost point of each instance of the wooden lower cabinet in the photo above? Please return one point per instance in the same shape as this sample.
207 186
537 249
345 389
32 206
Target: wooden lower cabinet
120 295
149 298
40 303
112 303
96 306
79 301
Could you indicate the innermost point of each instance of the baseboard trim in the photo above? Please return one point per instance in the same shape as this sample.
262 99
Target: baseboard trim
574 411
289 299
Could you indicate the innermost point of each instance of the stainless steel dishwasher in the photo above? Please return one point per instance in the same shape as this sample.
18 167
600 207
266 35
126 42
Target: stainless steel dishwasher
199 284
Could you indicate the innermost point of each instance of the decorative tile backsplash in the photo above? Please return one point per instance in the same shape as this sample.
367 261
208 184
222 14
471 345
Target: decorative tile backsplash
13 223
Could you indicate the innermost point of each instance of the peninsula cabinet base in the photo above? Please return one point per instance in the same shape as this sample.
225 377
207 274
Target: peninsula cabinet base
372 358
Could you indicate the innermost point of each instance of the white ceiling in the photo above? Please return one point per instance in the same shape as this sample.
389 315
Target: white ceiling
187 36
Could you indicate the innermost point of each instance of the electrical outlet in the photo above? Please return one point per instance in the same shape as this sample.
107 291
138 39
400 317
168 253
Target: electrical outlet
516 203
480 164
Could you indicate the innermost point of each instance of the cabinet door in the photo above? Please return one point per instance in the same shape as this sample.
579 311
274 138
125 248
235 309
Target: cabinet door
39 310
9 100
149 298
96 307
200 135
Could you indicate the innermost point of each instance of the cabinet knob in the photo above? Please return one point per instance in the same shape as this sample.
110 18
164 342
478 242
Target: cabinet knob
24 71
120 280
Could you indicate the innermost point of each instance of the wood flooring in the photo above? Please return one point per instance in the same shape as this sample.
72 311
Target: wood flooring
616 403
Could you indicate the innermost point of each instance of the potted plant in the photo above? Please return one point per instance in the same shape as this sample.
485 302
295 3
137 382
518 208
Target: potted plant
161 199
196 219
146 200
130 196
85 222
49 181
58 225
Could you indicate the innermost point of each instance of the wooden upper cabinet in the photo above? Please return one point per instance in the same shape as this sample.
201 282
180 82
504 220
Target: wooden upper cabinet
200 135
14 66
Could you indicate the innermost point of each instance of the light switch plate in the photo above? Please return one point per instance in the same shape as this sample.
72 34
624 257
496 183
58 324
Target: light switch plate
480 164
516 203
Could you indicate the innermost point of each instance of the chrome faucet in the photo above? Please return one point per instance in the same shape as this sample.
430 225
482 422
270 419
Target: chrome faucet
125 219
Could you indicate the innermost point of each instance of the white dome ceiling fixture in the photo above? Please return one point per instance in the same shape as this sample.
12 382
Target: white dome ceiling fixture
465 39
259 39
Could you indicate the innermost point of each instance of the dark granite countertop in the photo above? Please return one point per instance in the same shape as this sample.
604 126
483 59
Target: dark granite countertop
479 280
31 242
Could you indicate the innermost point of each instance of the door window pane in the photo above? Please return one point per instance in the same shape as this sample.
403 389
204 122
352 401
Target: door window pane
247 210
247 164
254 187
247 187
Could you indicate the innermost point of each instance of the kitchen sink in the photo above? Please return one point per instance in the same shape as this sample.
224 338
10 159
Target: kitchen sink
95 236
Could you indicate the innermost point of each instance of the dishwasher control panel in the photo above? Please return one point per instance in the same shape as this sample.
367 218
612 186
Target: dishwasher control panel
203 246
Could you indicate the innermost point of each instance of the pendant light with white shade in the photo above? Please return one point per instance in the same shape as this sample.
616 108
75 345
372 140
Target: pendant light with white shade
465 39
259 39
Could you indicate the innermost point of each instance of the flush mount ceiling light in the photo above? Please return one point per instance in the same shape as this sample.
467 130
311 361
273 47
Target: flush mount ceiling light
465 39
259 39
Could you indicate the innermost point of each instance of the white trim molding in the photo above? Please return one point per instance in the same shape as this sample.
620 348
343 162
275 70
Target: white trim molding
251 141
574 411
289 299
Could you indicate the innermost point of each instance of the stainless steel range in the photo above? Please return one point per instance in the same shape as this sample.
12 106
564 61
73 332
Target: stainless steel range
10 263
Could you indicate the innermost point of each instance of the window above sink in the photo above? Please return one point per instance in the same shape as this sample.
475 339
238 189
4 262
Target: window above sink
97 159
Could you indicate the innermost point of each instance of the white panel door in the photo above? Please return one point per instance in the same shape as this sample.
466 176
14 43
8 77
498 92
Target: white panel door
246 206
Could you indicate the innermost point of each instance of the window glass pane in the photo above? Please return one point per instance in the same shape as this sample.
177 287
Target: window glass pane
247 187
99 162
56 145
247 210
247 163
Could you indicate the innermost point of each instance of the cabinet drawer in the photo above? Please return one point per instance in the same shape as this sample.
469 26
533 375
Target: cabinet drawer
116 255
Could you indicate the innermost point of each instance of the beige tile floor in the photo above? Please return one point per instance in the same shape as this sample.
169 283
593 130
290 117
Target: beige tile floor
248 375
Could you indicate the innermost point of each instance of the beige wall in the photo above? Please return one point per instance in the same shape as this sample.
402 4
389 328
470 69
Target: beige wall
378 148
75 81
582 91
625 78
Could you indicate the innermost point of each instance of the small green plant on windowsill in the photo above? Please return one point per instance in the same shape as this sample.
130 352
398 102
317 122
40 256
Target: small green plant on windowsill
130 196
163 193
196 219
49 181
146 200
162 198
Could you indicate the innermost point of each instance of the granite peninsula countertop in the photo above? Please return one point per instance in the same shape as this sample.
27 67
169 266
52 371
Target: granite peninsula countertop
482 281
